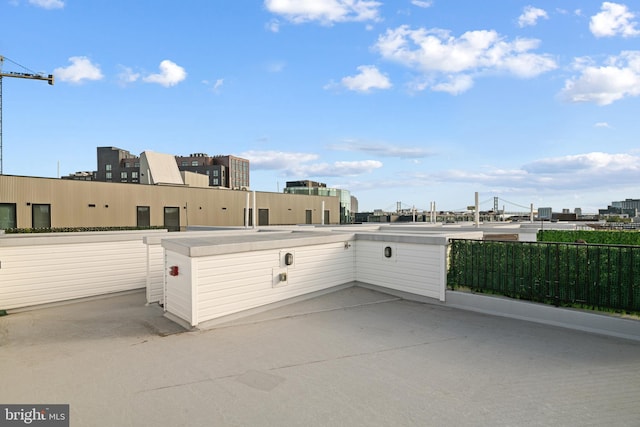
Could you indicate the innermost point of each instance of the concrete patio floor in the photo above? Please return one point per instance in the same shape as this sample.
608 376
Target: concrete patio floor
354 357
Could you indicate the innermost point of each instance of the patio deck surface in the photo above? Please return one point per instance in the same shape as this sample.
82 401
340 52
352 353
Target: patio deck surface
352 357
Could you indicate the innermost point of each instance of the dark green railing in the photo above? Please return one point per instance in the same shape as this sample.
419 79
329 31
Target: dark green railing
586 275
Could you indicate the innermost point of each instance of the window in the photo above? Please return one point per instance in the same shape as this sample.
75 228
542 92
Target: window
108 176
127 165
7 216
136 165
143 216
107 167
184 163
216 181
123 176
194 163
40 216
263 216
134 175
215 172
172 218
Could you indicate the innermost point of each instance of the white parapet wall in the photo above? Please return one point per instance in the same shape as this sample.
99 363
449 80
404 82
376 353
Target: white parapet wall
407 263
155 253
209 278
47 268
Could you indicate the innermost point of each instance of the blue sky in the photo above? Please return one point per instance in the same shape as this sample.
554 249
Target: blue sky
397 101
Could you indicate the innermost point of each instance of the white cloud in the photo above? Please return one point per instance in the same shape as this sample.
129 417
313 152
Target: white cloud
449 63
127 75
369 78
300 164
587 165
273 26
170 74
383 150
602 125
603 85
274 160
80 70
327 12
614 19
586 172
421 3
48 4
456 85
215 86
530 16
351 168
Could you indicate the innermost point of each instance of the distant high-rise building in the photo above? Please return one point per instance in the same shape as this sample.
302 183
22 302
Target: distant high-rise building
545 213
320 189
117 165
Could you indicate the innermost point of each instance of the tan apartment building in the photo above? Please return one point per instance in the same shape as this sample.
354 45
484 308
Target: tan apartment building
31 202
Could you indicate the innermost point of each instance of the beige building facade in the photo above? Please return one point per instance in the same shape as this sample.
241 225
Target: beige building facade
31 202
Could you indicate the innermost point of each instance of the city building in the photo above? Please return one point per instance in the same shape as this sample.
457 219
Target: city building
31 202
118 165
627 208
223 171
313 188
545 213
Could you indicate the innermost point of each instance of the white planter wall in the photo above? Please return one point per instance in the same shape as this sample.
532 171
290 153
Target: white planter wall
155 274
225 284
46 269
155 255
414 268
179 296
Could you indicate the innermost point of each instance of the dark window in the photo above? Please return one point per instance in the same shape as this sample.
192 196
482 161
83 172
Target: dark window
40 216
263 216
172 218
308 216
143 216
7 216
326 217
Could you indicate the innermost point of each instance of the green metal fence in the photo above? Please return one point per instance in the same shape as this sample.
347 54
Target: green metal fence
587 275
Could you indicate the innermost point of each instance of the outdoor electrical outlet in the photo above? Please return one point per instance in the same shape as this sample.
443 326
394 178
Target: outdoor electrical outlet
283 277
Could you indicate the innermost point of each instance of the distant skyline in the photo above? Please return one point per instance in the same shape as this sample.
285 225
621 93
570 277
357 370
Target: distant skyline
409 100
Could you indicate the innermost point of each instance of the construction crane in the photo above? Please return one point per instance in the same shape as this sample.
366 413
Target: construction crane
31 75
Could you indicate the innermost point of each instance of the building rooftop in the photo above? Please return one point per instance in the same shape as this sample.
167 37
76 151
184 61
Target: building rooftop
351 357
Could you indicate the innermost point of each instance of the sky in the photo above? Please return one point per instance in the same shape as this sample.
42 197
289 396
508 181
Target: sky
410 101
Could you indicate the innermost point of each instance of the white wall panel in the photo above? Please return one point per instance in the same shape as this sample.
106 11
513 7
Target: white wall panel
180 298
155 274
414 268
241 281
46 273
